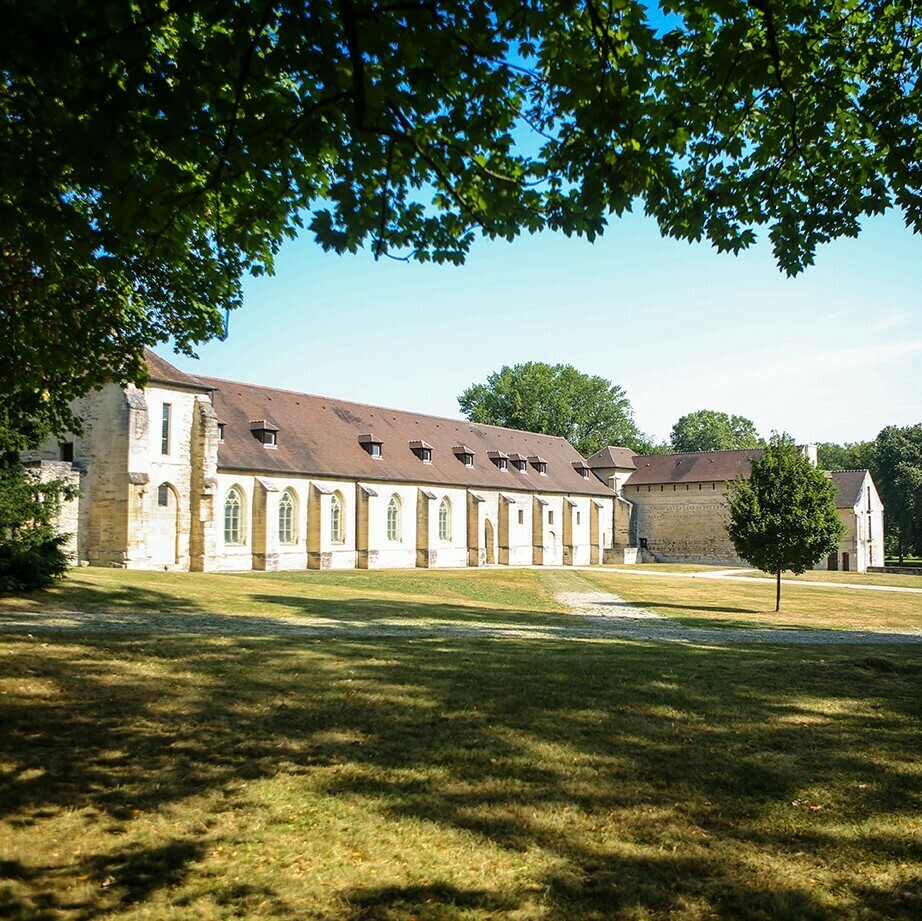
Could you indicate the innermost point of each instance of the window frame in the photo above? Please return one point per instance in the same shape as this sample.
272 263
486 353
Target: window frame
166 426
236 531
287 518
337 519
445 510
395 519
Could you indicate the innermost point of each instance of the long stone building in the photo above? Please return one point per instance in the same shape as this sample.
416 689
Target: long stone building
197 473
205 474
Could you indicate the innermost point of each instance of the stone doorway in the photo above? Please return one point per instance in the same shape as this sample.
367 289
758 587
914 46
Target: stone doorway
163 537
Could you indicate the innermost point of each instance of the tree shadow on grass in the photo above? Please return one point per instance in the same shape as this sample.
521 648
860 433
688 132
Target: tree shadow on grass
641 776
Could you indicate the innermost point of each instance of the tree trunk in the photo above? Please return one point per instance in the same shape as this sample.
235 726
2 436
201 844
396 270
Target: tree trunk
900 546
778 591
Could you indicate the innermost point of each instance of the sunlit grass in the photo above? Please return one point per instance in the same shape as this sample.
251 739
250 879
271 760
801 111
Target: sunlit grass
722 602
432 596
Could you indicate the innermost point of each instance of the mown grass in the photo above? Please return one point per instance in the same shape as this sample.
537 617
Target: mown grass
385 780
403 596
724 602
373 778
894 580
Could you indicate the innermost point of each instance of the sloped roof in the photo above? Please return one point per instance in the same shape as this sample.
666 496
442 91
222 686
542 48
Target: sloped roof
319 436
697 467
848 485
612 457
162 372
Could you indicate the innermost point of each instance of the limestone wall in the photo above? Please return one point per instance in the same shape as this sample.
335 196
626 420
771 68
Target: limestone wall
685 523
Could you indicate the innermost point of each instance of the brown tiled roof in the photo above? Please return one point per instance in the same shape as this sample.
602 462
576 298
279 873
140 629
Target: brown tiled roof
612 457
162 372
699 467
848 485
319 436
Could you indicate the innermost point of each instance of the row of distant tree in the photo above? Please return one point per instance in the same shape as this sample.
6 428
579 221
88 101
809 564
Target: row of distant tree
591 412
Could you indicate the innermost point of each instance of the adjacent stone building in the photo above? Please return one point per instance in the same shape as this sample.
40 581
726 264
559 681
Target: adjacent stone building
673 507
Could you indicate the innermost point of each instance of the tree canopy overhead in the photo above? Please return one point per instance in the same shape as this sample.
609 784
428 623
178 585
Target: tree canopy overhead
710 430
587 410
153 153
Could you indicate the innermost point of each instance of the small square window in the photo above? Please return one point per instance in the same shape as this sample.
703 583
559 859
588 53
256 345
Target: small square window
550 517
426 456
468 460
521 516
270 439
67 451
502 463
221 432
375 450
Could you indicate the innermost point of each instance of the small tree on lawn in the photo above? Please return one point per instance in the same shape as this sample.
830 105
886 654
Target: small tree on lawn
784 516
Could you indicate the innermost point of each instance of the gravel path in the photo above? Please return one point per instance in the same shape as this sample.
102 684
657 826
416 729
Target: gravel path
598 616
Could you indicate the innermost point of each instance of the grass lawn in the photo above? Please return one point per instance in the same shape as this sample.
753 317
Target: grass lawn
375 778
839 577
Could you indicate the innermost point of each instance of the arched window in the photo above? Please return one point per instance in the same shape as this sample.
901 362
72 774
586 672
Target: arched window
337 520
287 518
394 529
445 519
233 516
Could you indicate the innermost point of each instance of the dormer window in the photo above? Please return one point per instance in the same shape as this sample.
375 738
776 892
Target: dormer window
374 446
464 454
582 468
422 450
500 459
221 427
520 463
539 463
263 431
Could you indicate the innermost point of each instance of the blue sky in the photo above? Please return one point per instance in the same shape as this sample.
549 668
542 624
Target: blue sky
832 355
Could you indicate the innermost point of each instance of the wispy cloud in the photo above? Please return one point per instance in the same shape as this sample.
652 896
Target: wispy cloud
759 369
895 319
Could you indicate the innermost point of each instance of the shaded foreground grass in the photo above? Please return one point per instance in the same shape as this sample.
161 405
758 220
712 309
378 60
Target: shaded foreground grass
389 780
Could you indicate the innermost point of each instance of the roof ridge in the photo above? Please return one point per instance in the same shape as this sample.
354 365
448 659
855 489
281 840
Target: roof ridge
393 409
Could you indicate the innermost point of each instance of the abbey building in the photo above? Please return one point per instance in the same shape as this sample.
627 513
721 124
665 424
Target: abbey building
202 474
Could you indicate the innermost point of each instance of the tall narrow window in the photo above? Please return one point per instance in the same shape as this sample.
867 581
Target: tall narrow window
337 531
394 519
445 519
286 518
165 430
233 517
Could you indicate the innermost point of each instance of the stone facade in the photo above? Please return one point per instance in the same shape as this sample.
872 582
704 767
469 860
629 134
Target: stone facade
201 474
673 508
167 483
683 523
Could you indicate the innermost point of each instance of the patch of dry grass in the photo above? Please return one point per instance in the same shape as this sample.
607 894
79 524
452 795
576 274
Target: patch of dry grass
725 602
390 780
894 580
